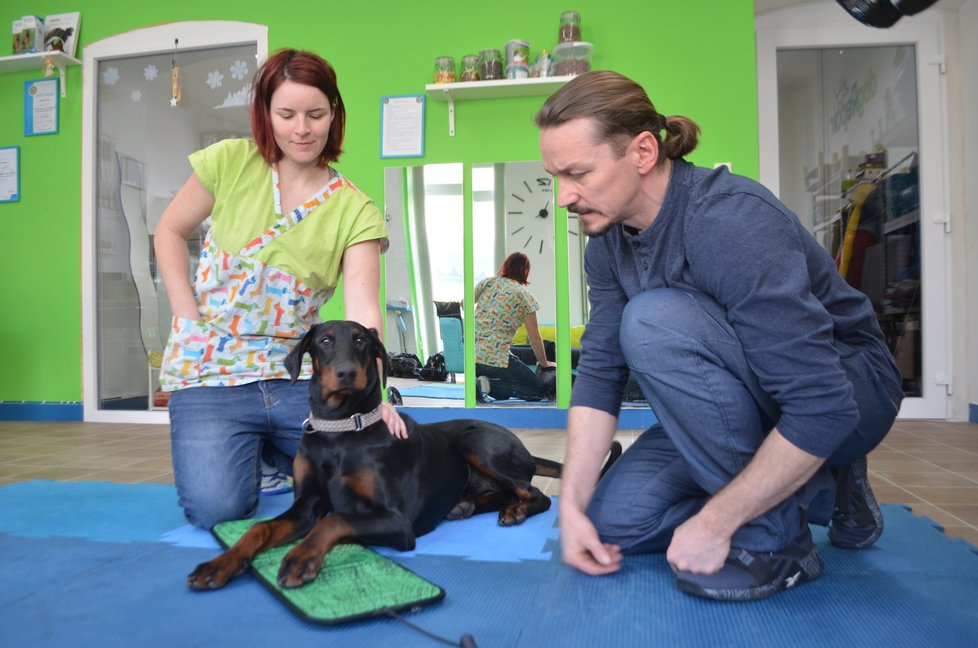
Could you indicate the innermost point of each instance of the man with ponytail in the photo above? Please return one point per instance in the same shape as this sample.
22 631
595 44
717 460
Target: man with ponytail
768 374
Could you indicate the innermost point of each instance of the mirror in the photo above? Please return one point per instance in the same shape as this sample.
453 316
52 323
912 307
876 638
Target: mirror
512 210
517 199
424 264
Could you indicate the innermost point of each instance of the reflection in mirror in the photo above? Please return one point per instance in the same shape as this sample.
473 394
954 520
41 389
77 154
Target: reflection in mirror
424 266
513 211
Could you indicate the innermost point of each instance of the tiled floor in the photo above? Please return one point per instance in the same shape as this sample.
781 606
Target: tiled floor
930 465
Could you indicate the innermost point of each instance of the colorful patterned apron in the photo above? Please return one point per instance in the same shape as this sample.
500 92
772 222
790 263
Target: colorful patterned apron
251 313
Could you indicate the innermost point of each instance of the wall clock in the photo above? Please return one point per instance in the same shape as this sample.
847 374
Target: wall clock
529 212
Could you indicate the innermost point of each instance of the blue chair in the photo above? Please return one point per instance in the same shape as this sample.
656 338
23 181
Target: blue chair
453 345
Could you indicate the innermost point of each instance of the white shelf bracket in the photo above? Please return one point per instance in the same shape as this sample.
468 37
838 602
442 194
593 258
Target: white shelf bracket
61 75
451 113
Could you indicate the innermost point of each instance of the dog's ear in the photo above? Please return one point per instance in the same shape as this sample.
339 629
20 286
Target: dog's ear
380 352
293 361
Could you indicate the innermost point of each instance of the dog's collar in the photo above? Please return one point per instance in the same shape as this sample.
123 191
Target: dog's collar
353 424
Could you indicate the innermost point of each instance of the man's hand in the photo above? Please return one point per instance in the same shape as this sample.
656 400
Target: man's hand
582 549
395 424
702 543
697 548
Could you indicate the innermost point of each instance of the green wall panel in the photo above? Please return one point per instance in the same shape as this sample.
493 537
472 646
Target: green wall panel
695 59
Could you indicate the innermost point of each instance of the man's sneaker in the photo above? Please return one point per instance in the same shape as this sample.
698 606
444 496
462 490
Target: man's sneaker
394 396
482 387
751 575
857 521
275 482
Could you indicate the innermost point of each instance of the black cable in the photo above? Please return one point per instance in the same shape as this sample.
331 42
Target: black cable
467 641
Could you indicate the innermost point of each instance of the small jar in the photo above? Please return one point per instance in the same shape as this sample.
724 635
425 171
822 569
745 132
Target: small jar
570 27
490 64
445 69
470 68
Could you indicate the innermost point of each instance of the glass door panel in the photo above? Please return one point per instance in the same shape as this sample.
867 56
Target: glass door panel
850 168
142 143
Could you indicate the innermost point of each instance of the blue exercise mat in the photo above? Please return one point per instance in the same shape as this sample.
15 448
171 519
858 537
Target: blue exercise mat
455 391
97 564
435 390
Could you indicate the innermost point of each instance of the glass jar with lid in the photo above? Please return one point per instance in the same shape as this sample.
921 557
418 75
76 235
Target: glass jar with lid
570 27
445 69
470 68
490 64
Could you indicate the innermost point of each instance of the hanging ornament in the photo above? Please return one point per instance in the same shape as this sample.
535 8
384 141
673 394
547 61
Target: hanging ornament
48 66
175 75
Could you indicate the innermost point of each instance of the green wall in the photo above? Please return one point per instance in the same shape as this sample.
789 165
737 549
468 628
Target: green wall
695 59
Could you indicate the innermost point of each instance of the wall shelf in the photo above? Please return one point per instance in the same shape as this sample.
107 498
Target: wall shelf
37 61
500 89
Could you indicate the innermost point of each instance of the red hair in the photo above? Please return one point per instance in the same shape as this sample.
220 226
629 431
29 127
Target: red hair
300 67
516 267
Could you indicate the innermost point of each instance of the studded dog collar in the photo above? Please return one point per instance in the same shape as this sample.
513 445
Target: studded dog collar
353 424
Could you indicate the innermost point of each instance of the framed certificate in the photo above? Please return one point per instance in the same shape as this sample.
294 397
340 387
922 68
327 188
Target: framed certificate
9 174
41 107
402 126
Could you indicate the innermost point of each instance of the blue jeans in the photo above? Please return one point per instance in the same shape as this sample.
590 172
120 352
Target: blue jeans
217 434
514 381
712 419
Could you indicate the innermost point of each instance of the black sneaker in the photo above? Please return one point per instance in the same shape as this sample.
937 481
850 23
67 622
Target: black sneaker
394 396
857 521
751 575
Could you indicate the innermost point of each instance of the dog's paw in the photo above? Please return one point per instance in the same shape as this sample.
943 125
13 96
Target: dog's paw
300 566
215 574
513 515
461 511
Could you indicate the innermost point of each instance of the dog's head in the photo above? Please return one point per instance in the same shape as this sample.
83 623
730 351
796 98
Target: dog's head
344 367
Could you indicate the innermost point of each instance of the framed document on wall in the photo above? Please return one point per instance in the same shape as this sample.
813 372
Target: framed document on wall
402 126
41 107
9 174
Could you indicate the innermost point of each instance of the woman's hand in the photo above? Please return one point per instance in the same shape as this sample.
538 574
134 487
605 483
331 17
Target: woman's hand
188 209
395 424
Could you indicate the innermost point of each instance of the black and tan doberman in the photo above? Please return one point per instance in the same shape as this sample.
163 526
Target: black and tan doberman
355 482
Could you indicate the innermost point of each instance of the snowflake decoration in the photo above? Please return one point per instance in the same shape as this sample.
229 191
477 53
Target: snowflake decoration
239 70
215 79
110 76
137 96
150 72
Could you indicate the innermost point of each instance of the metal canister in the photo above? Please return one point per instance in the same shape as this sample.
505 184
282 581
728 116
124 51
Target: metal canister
517 59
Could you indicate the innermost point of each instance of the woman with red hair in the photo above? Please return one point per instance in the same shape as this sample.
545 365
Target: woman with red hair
503 304
284 226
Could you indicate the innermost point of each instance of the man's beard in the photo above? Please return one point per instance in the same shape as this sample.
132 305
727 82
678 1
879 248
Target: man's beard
598 227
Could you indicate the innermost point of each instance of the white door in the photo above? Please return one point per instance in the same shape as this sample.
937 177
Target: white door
852 139
151 97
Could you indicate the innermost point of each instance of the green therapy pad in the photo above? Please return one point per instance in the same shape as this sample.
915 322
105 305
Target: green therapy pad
355 582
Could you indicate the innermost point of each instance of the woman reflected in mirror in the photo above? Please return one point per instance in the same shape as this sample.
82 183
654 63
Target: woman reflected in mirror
503 304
